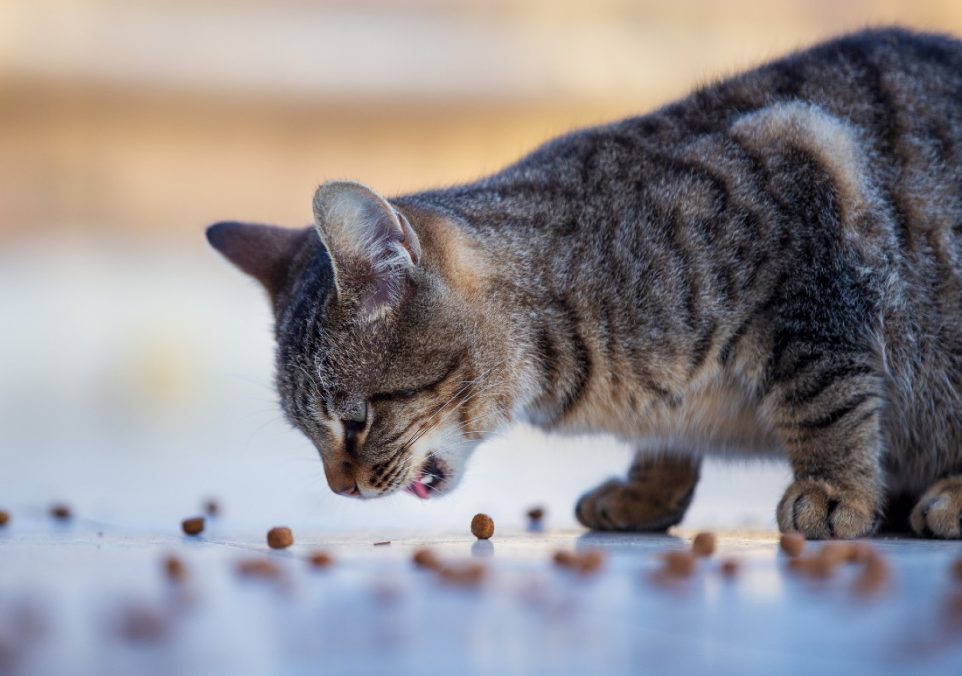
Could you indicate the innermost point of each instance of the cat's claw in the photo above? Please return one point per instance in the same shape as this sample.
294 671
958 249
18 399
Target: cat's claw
939 512
820 510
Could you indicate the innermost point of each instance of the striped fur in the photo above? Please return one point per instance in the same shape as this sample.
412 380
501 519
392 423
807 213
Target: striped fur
770 265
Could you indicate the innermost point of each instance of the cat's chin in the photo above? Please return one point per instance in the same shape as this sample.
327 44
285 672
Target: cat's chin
433 479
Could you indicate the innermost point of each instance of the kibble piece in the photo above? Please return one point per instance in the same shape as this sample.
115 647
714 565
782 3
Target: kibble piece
174 569
482 526
320 560
425 558
258 568
836 553
873 578
792 544
703 545
280 537
816 567
536 514
211 507
679 564
565 559
60 512
591 561
729 568
193 525
4 518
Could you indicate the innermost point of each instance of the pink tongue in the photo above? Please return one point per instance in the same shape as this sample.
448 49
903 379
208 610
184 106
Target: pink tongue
420 490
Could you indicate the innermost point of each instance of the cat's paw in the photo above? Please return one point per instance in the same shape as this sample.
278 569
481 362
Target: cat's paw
626 506
820 510
939 512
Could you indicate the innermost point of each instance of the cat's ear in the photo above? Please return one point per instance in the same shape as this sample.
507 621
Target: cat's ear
264 252
372 245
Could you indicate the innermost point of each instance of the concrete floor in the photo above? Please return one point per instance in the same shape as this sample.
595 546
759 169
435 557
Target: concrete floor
91 598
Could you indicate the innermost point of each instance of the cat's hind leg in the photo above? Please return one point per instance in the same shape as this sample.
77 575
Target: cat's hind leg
654 496
939 512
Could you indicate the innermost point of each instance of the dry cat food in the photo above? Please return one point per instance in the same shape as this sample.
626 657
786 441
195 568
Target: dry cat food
425 558
211 507
729 568
873 576
60 512
792 544
466 575
320 560
482 526
565 559
587 562
679 564
703 544
174 569
193 525
261 568
280 537
4 518
536 514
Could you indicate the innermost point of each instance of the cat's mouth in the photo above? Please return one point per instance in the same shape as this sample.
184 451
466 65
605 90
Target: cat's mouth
431 478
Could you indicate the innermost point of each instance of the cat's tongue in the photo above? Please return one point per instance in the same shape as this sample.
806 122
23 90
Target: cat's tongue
419 490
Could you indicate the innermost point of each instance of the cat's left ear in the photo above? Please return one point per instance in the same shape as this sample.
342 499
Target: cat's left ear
372 245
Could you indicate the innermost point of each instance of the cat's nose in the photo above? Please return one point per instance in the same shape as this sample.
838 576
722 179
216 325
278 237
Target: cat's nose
341 478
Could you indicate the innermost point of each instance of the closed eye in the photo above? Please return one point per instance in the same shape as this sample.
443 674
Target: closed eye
408 393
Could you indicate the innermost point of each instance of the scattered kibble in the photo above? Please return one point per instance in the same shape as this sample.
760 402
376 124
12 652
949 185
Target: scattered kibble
4 518
320 560
482 526
679 563
729 568
382 543
60 512
703 545
261 568
467 575
591 561
425 558
873 577
280 537
835 553
211 507
565 559
174 569
193 525
815 567
792 544
536 514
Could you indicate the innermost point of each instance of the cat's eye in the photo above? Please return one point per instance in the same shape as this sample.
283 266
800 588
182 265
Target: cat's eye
357 414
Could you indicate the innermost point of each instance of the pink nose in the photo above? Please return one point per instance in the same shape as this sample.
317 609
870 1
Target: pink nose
349 491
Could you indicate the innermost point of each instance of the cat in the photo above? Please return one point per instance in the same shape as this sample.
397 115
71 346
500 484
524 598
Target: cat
772 265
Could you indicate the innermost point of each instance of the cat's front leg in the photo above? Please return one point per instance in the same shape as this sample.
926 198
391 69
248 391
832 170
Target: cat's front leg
653 497
828 417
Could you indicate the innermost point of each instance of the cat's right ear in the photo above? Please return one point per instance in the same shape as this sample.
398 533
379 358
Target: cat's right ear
264 252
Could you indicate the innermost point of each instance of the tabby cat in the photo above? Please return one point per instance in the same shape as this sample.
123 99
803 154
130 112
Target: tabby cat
771 265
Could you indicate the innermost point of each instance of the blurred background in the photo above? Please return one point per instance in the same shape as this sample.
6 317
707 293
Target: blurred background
135 374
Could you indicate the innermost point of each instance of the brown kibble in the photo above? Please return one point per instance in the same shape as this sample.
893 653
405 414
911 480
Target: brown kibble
261 568
467 575
873 577
816 567
280 537
591 561
211 507
425 558
482 526
193 525
320 560
703 545
957 569
679 563
565 559
536 514
174 569
60 512
792 544
4 518
729 568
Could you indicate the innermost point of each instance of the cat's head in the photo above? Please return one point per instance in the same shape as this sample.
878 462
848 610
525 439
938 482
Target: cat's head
381 359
